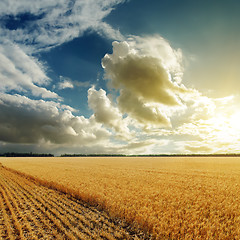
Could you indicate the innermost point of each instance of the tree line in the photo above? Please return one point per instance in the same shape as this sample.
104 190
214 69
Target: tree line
14 154
92 155
152 155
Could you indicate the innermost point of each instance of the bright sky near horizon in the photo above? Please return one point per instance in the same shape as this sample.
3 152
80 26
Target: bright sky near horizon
117 76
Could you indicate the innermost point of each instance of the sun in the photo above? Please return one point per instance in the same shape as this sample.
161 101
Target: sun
225 127
234 121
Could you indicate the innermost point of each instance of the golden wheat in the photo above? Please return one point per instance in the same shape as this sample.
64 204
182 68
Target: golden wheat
30 211
172 198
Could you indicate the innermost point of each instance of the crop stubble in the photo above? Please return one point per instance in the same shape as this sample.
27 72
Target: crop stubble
30 211
171 198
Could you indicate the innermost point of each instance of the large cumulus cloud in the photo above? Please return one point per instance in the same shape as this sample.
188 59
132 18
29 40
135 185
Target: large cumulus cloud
28 121
147 71
25 120
106 113
139 110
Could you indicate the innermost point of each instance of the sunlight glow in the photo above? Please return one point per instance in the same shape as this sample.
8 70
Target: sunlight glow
234 121
225 128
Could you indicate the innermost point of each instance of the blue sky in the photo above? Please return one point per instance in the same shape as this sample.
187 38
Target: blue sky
115 76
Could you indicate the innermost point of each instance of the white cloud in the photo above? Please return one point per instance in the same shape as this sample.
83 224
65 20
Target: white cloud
66 82
47 126
39 26
139 110
158 47
106 113
195 147
55 22
209 126
147 71
22 73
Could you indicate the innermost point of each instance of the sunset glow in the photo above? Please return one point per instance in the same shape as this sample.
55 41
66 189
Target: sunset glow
81 77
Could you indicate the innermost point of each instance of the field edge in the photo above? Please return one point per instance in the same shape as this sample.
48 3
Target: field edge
87 201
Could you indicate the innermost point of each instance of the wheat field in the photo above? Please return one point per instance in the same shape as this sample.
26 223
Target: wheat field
170 198
30 211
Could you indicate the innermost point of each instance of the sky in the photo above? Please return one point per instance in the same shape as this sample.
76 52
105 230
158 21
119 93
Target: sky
120 76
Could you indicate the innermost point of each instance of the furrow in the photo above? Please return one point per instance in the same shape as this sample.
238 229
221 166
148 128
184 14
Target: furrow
94 216
89 217
76 227
14 231
29 213
63 224
7 228
3 230
82 219
69 222
23 221
38 215
75 218
49 214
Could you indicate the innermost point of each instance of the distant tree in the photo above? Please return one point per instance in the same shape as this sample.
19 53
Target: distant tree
14 154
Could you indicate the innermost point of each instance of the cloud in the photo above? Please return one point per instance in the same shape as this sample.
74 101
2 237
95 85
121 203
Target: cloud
28 28
208 126
132 147
66 82
22 73
46 126
197 147
147 71
142 146
158 47
140 111
44 24
106 113
26 121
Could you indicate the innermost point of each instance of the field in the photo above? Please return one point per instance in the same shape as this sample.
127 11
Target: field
30 211
171 198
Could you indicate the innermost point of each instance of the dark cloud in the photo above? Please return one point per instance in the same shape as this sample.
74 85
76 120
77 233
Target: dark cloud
23 120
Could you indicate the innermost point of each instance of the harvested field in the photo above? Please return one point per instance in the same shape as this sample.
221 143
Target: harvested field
172 198
30 211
